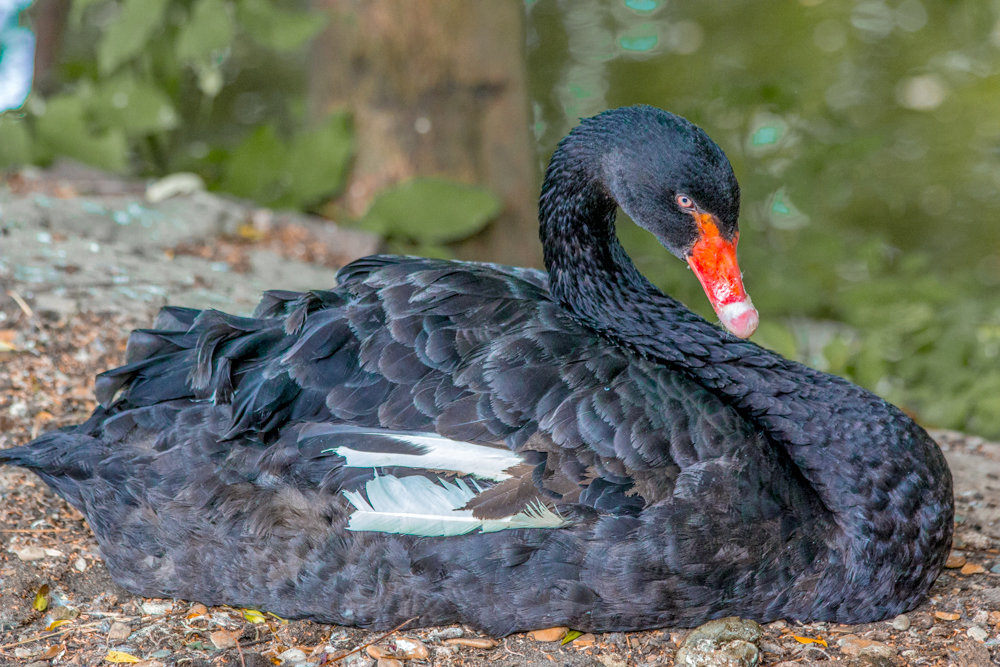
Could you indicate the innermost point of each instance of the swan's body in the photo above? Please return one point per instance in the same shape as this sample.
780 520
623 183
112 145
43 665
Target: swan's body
611 460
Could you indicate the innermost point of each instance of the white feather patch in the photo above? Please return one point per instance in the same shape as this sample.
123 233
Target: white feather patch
439 454
415 505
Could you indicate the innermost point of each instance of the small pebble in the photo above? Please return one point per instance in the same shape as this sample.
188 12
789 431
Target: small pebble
855 646
118 633
901 622
585 640
472 642
292 656
947 615
378 652
80 564
549 634
972 568
955 561
977 633
411 649
725 641
197 610
154 608
389 662
28 554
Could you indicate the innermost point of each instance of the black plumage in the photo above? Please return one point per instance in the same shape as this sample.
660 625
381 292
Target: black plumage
696 475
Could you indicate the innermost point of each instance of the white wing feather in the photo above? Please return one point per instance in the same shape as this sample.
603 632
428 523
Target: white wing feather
415 505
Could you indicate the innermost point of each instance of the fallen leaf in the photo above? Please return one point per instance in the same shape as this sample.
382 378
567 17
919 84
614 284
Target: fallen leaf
947 615
810 640
570 636
55 624
121 657
224 638
41 602
51 652
253 615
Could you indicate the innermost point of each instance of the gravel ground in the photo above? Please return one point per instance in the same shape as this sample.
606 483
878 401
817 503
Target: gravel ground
65 312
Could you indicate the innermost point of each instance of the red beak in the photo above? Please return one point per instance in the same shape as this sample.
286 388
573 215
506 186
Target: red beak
713 260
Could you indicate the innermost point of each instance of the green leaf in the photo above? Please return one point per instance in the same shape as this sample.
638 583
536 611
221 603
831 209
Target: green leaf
209 29
137 108
318 161
127 35
77 10
63 130
256 167
278 29
431 210
41 602
570 636
15 141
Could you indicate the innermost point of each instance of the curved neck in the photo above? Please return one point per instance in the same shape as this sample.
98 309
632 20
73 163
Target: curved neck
854 449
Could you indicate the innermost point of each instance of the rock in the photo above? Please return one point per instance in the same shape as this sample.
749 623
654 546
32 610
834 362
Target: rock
856 646
901 622
157 607
726 642
411 649
292 656
585 640
377 652
972 568
29 554
947 615
356 660
549 634
978 633
955 561
224 638
472 642
118 633
389 662
80 565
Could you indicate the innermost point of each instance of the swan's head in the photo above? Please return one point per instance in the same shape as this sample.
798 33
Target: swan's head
675 182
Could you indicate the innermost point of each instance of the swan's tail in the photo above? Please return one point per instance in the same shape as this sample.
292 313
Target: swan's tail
64 461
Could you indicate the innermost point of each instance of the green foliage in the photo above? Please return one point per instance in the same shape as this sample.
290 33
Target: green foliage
291 173
156 86
423 214
129 32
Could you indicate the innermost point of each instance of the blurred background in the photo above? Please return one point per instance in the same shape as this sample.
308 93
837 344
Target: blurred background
866 137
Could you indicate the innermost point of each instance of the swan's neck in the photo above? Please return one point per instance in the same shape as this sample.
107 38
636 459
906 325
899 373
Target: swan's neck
883 480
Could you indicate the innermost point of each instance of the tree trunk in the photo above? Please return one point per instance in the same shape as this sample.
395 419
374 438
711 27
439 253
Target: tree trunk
436 88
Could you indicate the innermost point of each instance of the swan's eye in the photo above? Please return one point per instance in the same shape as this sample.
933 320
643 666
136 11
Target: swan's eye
684 201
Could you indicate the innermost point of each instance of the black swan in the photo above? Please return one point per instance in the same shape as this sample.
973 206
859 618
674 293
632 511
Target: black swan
507 448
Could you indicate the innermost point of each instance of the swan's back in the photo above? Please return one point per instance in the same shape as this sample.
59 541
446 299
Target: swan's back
211 475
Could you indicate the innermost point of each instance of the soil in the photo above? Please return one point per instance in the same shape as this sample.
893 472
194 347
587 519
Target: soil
59 325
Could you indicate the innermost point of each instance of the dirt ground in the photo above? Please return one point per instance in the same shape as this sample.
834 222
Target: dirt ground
58 605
